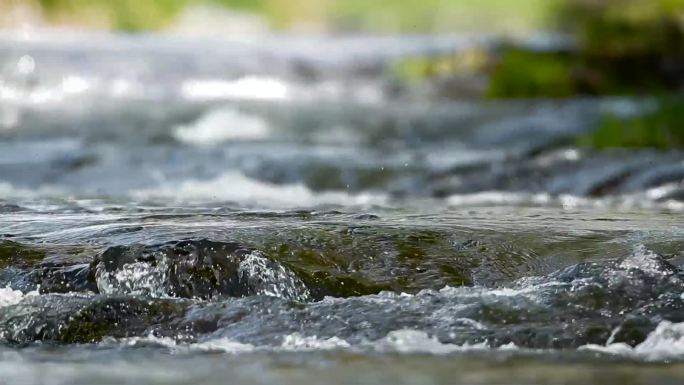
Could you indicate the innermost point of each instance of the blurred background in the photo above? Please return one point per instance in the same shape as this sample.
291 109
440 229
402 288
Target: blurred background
327 16
469 95
583 47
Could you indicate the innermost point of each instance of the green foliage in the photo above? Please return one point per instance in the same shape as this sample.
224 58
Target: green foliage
125 15
444 15
626 47
663 128
529 74
339 15
428 67
626 27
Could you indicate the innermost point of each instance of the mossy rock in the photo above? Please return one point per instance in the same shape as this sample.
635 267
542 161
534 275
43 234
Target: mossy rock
84 319
15 254
662 128
114 317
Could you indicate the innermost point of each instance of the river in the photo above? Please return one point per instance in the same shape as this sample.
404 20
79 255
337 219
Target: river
181 211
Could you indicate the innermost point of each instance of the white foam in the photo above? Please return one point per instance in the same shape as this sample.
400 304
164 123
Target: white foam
9 297
666 342
224 345
663 191
528 288
297 342
236 187
497 197
640 200
291 342
416 341
222 125
399 341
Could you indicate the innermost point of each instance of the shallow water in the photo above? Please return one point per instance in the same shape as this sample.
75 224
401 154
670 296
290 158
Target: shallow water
267 214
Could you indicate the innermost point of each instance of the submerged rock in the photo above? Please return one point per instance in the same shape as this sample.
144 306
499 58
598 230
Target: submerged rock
19 255
611 301
201 269
619 300
82 319
28 268
64 279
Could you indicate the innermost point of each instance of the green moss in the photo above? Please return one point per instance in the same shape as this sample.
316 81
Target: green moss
456 276
663 128
360 260
529 74
13 253
335 284
114 317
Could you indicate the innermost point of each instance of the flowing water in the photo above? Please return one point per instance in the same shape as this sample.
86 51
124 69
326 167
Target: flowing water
281 212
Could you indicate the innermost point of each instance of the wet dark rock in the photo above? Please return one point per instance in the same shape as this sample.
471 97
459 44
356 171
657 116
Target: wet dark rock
65 279
193 269
52 269
358 260
597 174
11 208
633 330
82 319
18 279
620 300
367 217
584 304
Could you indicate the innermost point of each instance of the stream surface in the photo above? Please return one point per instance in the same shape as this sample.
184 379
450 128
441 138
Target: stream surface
179 211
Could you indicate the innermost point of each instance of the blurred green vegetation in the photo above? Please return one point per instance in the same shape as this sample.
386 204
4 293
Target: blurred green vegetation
131 15
625 47
421 68
530 74
444 15
384 16
662 128
615 28
126 15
